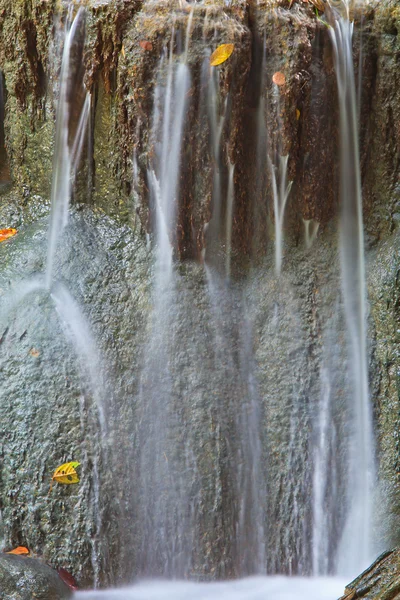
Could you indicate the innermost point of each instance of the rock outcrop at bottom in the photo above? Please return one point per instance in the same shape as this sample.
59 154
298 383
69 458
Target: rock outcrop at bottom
381 581
28 578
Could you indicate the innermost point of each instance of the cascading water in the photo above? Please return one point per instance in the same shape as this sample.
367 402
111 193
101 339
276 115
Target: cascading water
221 453
68 148
280 192
164 495
355 551
68 143
229 217
72 117
278 166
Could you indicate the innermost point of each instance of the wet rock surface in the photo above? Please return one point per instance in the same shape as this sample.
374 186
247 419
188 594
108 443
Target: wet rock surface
55 409
29 578
381 581
50 412
121 75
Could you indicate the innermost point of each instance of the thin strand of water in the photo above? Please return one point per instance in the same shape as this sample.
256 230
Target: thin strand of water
355 551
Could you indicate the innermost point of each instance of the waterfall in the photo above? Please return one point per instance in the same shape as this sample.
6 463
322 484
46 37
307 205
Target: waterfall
217 116
324 480
234 447
68 143
72 118
279 179
164 476
280 193
355 551
229 218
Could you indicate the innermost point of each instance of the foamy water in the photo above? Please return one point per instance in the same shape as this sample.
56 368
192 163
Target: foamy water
254 588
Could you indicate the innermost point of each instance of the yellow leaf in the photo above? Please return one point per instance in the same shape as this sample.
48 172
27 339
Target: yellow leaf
66 473
123 50
19 550
7 233
297 114
221 54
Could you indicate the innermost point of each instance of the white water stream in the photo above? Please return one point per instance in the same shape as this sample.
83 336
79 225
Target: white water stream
356 548
166 506
67 152
255 588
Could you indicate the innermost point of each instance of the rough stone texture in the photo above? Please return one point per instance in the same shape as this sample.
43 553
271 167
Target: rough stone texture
384 291
48 408
28 578
48 415
381 581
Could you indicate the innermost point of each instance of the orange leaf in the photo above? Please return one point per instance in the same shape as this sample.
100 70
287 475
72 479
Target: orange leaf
7 233
146 45
19 550
221 54
278 78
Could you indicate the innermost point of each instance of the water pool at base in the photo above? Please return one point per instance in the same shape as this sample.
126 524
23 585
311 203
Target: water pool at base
253 588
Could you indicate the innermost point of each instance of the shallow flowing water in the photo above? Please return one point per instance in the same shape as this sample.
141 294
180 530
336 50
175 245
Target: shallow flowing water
255 588
243 461
356 548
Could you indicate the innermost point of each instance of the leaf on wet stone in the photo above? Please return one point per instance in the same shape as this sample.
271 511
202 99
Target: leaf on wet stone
19 550
68 579
221 54
146 45
34 352
7 233
278 78
66 474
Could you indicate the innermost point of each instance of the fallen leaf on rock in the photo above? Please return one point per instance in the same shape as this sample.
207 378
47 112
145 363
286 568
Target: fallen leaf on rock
7 233
66 474
19 550
278 78
221 54
123 50
146 45
68 579
33 352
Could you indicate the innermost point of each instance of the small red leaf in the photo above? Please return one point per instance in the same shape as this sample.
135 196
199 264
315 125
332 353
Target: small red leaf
68 579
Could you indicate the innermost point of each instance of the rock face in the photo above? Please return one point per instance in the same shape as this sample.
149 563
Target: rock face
261 370
27 578
380 582
56 409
